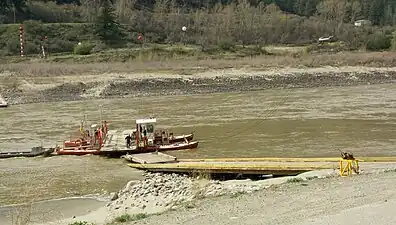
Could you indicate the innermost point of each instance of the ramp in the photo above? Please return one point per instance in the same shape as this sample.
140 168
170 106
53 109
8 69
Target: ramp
151 158
274 168
328 159
263 166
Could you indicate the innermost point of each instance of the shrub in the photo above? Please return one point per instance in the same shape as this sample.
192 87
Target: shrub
126 217
81 223
83 49
226 45
100 46
379 42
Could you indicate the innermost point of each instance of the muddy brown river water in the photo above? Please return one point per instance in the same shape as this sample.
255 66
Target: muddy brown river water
273 123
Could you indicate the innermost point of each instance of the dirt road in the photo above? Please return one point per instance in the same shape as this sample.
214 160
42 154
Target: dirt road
362 200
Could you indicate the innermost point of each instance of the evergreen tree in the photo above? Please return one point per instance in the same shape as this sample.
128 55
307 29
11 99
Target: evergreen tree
376 12
8 5
108 29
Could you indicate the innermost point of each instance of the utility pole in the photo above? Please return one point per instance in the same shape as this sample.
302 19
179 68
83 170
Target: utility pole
14 13
22 39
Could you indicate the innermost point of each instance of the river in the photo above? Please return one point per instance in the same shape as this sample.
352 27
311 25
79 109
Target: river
280 123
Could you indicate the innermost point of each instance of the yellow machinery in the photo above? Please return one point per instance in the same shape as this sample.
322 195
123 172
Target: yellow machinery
348 164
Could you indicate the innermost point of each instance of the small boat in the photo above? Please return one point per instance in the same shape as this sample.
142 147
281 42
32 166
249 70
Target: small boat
36 151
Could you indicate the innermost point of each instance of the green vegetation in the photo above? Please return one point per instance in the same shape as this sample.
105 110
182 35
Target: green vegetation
123 218
295 180
107 28
81 223
83 49
213 26
127 218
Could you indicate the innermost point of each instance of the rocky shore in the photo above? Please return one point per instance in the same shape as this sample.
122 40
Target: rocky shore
185 197
161 84
359 200
159 192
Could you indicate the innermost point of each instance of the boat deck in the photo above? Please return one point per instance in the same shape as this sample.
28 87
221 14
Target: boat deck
151 158
116 139
115 143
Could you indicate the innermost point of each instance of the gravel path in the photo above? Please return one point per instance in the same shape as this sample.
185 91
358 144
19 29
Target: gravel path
363 199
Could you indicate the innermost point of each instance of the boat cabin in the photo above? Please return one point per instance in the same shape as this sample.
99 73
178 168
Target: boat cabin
145 132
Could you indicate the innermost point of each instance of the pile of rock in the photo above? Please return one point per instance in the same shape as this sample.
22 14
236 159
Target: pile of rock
217 188
155 193
158 192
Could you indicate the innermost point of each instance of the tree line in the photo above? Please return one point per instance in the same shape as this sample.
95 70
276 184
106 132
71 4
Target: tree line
208 22
380 12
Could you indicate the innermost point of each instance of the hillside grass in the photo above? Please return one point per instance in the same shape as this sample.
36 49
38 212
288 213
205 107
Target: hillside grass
70 65
66 57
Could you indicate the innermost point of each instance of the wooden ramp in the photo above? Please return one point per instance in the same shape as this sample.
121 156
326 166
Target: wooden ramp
260 166
151 158
273 159
263 167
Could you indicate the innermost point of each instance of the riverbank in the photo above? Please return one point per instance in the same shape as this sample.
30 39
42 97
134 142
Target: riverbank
36 88
354 200
172 199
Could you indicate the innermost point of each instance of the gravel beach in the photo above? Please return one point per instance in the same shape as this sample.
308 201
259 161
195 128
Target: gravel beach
33 89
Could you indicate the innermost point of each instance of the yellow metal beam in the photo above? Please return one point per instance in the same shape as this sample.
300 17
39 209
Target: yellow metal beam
329 159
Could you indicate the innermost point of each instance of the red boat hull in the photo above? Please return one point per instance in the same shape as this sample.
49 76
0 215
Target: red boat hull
78 143
77 152
172 147
162 148
82 150
85 143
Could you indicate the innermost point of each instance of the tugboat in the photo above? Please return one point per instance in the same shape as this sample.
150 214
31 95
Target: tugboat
85 135
87 144
149 140
84 139
146 139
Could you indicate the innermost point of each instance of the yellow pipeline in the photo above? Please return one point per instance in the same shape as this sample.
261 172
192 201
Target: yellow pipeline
330 159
